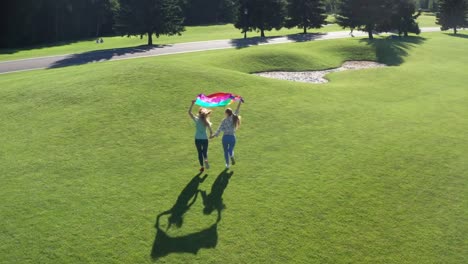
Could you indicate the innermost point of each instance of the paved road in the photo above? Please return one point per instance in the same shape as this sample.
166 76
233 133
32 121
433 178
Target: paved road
140 52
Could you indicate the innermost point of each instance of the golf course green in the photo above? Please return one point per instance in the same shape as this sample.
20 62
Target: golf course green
368 168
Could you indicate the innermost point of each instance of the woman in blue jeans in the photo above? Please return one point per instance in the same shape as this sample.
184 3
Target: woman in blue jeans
202 123
229 126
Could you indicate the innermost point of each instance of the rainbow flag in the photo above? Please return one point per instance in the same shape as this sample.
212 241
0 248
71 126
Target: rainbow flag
217 99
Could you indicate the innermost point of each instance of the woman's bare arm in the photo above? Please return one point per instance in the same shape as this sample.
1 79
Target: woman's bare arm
238 107
190 110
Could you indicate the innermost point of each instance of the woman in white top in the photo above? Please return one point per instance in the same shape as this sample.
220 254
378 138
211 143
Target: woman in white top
229 125
202 123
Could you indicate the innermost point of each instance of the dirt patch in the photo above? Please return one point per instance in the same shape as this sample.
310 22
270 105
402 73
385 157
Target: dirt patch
318 76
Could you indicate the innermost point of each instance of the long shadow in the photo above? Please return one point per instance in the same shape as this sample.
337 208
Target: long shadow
186 199
164 244
42 46
392 51
245 43
458 35
100 55
214 200
191 243
305 37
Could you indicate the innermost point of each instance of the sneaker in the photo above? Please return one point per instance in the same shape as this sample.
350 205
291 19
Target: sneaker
233 161
202 169
227 166
207 165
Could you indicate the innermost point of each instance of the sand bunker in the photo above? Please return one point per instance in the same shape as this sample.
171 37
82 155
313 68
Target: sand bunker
318 76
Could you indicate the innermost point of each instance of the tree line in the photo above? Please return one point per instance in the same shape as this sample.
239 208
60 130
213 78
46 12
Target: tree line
29 22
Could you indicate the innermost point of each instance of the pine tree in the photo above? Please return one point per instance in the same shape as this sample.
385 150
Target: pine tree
261 15
365 15
306 14
403 18
452 14
148 17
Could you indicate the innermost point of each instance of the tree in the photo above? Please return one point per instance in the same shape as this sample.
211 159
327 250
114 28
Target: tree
261 15
365 15
149 17
403 18
331 5
103 11
452 14
198 12
29 22
306 14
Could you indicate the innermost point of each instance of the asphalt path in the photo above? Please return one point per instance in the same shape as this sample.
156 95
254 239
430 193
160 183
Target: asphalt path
58 61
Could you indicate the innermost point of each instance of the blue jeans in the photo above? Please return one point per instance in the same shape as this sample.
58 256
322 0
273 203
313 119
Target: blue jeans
229 142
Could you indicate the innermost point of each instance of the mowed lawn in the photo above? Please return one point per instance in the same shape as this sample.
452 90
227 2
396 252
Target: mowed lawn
192 33
369 168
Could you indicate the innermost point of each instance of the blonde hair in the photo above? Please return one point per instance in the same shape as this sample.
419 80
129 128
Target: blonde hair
236 119
204 115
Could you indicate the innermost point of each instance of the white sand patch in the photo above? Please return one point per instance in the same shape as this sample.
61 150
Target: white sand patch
318 76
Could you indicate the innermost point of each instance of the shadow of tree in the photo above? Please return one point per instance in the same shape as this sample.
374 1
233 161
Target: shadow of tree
245 43
191 243
100 55
43 46
458 35
305 37
391 51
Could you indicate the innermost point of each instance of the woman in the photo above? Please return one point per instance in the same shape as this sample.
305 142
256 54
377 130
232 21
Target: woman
202 122
229 126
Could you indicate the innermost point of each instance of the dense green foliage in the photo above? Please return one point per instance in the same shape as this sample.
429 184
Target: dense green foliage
403 18
30 22
452 14
369 168
192 33
430 5
26 22
148 17
366 15
261 15
306 14
203 12
379 16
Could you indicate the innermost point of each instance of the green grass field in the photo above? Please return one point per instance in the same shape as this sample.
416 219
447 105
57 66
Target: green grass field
369 168
197 33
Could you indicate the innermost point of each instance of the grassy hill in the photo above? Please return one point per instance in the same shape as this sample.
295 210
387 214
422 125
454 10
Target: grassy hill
369 168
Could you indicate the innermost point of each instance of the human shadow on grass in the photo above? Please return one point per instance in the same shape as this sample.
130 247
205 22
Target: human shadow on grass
101 55
392 51
214 200
193 242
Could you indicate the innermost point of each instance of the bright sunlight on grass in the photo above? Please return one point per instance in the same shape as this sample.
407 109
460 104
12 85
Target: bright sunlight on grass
370 167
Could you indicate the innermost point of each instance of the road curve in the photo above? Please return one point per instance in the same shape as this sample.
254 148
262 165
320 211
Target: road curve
141 52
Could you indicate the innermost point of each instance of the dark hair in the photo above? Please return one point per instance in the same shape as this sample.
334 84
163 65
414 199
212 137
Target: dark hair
236 119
